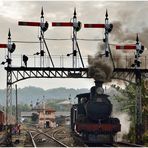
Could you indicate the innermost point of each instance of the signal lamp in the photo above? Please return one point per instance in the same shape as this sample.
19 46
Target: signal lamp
42 52
74 53
141 50
77 26
137 62
44 26
8 61
11 47
109 27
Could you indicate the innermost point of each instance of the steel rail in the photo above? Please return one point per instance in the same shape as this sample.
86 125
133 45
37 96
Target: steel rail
127 144
51 137
32 139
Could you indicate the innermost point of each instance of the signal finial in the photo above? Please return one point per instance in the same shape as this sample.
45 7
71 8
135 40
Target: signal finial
137 38
75 12
42 13
106 15
9 34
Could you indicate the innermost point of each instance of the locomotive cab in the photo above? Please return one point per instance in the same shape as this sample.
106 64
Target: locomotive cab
78 110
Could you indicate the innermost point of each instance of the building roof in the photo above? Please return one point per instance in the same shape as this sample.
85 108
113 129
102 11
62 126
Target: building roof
62 113
42 109
27 114
50 110
65 102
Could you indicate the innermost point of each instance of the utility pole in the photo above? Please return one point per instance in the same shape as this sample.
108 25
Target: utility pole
16 104
138 106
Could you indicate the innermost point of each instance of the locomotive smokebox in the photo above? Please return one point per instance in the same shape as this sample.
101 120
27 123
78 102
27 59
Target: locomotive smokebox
98 107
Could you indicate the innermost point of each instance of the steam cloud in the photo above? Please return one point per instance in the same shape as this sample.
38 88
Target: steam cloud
125 124
125 58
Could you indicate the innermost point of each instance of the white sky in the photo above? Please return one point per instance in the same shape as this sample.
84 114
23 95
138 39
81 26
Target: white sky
132 15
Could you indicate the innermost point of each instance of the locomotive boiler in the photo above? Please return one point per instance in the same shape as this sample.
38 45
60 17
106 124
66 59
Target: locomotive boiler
91 116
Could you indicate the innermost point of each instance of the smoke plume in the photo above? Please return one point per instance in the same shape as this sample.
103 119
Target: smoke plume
100 68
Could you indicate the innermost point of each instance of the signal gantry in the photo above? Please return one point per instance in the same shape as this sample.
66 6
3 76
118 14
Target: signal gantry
15 74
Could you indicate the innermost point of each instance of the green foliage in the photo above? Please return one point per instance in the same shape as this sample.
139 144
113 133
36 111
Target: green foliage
145 138
21 107
55 105
127 101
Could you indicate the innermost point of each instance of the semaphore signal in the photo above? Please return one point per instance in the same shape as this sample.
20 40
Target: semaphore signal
94 25
108 28
128 47
76 25
36 24
43 27
11 48
62 24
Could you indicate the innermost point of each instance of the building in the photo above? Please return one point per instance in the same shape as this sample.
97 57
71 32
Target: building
27 116
63 117
2 117
46 118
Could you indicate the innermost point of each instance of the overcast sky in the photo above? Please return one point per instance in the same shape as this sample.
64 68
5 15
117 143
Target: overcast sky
129 18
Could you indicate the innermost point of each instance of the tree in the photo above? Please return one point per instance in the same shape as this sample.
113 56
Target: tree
128 101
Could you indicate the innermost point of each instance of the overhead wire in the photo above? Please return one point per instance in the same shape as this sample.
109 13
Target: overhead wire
26 41
56 40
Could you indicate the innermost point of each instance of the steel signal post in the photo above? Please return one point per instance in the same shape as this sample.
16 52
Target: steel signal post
108 28
138 102
11 48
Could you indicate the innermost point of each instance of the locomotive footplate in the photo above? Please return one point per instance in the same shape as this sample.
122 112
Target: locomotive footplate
99 128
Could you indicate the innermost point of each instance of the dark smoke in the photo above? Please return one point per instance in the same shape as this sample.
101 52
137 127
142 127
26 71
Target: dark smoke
100 68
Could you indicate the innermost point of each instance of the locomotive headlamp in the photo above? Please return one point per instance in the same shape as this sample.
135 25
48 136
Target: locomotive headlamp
99 90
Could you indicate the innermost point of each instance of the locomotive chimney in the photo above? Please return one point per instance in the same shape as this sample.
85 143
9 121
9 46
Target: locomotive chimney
98 83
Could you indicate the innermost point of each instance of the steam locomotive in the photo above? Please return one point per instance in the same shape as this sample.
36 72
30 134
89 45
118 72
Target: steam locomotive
91 117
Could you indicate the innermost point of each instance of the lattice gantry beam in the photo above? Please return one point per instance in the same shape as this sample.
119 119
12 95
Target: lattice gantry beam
22 73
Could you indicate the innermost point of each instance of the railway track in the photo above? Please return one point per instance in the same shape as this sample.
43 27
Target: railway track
61 137
42 139
116 144
126 144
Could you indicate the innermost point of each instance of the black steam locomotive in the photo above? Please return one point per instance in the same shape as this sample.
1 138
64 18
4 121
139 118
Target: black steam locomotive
91 117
